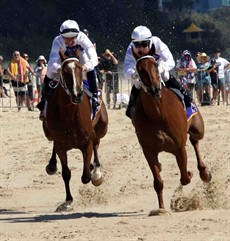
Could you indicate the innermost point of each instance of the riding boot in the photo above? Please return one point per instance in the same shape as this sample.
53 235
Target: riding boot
173 83
91 76
132 100
46 92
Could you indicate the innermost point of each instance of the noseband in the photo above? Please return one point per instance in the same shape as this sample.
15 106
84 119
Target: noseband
152 90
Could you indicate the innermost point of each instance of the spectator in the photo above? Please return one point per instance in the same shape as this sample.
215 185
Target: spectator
224 65
29 84
1 77
99 75
86 32
185 68
3 90
40 72
203 80
213 72
108 66
17 70
227 88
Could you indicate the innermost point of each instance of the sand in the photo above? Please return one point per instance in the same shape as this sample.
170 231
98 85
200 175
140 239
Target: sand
118 209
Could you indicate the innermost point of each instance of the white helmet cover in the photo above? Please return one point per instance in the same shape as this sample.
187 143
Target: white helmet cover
69 29
141 33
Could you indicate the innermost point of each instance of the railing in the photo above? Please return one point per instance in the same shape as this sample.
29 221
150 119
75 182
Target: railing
115 91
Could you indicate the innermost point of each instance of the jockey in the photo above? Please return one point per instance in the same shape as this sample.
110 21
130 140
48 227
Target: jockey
141 44
69 40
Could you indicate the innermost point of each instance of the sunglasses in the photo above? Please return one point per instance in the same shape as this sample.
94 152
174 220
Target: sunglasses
143 44
16 54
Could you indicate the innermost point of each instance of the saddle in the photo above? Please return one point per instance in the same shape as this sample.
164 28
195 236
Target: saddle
190 110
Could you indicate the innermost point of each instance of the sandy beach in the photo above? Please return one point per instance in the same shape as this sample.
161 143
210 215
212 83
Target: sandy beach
118 209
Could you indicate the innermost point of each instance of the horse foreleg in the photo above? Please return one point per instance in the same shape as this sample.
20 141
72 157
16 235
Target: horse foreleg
96 172
155 167
87 152
66 175
181 157
51 168
205 175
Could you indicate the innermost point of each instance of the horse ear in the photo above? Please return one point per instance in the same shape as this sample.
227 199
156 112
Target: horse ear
152 51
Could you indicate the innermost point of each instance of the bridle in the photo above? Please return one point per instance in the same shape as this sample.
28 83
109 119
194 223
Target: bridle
152 90
62 82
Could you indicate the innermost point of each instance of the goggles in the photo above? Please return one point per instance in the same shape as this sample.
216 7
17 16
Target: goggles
143 44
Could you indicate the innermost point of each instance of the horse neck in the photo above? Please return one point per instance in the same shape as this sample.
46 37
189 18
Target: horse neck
153 108
62 98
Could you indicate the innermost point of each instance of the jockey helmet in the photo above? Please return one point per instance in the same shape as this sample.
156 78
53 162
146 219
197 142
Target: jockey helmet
141 33
69 29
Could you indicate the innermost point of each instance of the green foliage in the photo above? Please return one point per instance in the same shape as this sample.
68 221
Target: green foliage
30 26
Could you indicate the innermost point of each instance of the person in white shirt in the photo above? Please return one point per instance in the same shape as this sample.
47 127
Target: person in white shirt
69 40
141 43
223 66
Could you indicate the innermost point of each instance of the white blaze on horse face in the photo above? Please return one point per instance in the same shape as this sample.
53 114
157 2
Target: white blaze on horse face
75 89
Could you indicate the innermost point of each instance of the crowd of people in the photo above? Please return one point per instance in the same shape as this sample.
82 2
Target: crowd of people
200 74
23 78
205 74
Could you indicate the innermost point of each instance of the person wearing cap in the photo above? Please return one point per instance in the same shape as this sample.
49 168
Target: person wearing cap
223 66
141 43
30 83
40 71
108 67
70 40
213 72
203 80
18 70
86 32
185 68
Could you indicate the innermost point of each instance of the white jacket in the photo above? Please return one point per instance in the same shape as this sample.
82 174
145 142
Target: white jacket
88 55
166 60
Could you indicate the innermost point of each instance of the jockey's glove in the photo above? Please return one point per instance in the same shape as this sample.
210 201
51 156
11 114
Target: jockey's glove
134 75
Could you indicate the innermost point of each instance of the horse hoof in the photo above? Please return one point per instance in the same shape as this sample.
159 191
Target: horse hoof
85 180
97 182
207 177
64 207
187 180
159 212
51 170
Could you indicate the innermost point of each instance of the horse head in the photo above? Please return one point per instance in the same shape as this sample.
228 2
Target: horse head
146 67
71 77
149 76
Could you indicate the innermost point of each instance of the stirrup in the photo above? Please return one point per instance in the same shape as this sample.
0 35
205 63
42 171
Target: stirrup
42 116
95 102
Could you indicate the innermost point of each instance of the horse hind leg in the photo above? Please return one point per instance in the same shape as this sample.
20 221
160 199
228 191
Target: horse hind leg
51 168
205 174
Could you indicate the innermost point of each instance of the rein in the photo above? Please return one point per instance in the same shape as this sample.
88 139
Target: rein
147 89
62 82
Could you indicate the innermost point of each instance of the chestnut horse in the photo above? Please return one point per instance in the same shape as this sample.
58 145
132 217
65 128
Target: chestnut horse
160 122
68 124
